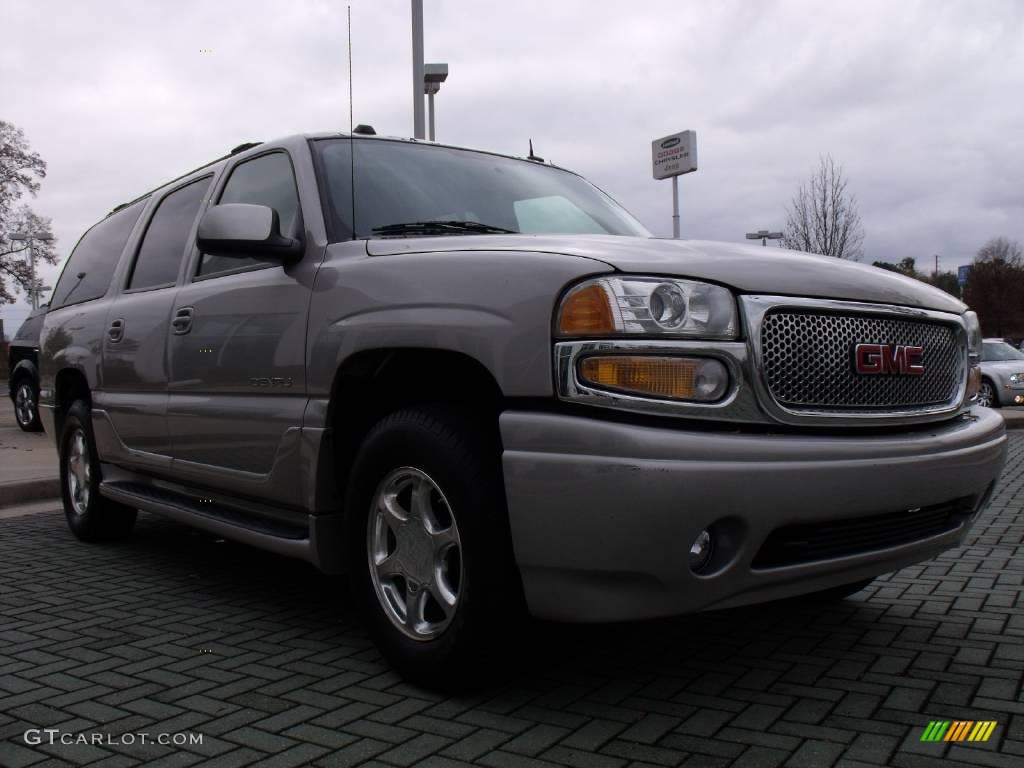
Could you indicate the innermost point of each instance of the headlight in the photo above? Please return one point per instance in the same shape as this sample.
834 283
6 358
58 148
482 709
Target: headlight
1016 378
648 305
973 335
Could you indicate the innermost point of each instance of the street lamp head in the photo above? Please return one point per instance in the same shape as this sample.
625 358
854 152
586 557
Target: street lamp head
435 73
17 236
44 237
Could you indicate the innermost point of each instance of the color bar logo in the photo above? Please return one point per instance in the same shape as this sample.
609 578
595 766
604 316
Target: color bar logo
958 730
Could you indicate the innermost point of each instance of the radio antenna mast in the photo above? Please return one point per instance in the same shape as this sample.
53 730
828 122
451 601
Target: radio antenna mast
351 141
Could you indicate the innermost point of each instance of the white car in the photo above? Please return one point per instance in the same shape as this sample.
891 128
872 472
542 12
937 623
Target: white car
1002 374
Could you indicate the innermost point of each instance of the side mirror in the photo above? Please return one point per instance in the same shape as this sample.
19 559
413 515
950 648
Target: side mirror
241 230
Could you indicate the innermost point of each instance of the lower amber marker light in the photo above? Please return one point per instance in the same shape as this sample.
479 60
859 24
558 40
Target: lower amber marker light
671 378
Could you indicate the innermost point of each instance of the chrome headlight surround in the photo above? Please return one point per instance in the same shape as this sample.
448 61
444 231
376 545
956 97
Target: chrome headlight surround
974 337
738 404
649 306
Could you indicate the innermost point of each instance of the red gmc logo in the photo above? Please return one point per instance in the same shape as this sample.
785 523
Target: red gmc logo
888 358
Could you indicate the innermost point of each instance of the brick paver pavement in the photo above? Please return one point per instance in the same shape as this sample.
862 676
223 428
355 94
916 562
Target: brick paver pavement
174 631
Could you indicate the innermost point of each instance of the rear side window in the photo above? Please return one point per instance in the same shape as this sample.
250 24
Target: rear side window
265 180
164 244
87 274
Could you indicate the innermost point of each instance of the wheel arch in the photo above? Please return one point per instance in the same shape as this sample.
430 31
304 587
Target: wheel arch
69 385
372 383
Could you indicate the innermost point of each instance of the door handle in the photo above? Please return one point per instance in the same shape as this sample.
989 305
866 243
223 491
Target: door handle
182 321
116 331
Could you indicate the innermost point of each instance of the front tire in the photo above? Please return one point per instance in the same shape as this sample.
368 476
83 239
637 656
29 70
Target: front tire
26 404
428 542
90 516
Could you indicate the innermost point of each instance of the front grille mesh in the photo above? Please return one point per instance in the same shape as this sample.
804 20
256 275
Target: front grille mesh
807 359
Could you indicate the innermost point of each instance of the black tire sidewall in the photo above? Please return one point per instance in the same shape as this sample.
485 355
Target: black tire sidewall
466 469
102 519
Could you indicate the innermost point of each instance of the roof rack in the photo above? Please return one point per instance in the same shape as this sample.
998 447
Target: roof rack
243 147
235 151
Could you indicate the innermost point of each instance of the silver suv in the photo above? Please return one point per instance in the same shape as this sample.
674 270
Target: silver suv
480 386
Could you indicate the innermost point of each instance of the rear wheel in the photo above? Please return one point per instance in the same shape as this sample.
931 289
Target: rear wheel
26 400
429 547
90 516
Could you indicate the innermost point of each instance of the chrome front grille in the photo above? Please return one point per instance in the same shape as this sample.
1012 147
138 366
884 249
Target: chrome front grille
808 366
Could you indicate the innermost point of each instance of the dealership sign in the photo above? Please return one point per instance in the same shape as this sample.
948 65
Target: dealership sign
674 155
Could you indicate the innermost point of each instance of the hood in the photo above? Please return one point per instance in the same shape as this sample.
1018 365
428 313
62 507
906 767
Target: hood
1003 366
746 268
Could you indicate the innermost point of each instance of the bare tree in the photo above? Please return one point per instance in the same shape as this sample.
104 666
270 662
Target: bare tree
995 287
823 217
20 172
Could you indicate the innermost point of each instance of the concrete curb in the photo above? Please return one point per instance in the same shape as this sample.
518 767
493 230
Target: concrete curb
22 491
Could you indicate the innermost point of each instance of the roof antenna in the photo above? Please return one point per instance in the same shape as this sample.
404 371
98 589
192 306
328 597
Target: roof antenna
533 156
351 141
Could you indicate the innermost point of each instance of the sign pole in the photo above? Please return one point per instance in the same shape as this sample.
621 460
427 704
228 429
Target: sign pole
675 207
671 157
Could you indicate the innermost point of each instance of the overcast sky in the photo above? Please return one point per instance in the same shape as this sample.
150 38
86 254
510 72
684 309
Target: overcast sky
921 102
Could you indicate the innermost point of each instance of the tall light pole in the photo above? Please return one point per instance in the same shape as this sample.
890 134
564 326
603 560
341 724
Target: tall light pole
764 236
433 76
32 238
417 69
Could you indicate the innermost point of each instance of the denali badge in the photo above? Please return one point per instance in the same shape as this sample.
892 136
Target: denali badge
888 358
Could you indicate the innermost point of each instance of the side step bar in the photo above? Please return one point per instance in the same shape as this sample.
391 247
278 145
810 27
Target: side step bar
290 542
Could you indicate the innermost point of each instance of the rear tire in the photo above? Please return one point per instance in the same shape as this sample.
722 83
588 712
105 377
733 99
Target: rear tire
26 404
429 547
90 516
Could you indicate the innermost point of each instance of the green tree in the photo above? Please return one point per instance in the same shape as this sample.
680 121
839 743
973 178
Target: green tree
907 266
995 288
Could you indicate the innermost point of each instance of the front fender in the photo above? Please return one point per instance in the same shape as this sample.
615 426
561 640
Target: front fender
495 307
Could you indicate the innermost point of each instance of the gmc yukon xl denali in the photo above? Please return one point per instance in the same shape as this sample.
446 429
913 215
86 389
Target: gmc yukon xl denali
478 385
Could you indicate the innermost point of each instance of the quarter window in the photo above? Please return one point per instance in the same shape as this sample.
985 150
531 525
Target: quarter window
163 245
265 180
87 274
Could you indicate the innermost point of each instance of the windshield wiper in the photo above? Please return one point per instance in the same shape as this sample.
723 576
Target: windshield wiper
441 228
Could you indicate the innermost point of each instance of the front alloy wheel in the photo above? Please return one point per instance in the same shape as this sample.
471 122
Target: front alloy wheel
78 472
426 526
415 553
986 394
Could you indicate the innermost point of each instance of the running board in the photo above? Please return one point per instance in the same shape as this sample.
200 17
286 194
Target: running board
283 540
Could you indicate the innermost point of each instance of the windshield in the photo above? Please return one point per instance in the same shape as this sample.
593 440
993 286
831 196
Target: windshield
995 351
404 189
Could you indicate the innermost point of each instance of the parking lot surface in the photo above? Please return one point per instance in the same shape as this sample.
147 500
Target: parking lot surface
176 632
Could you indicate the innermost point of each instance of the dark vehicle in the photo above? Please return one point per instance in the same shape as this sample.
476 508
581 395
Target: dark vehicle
486 391
23 378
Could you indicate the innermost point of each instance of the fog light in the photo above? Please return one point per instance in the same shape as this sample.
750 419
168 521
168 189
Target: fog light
675 378
1018 399
700 551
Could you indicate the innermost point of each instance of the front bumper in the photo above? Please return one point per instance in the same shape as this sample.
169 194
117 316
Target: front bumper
603 514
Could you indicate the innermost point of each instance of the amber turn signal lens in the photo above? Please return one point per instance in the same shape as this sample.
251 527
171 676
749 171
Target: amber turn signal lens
586 310
674 378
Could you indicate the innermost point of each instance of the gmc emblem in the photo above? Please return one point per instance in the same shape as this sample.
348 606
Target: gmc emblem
888 358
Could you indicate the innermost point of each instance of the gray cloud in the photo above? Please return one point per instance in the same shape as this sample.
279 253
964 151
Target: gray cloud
919 101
